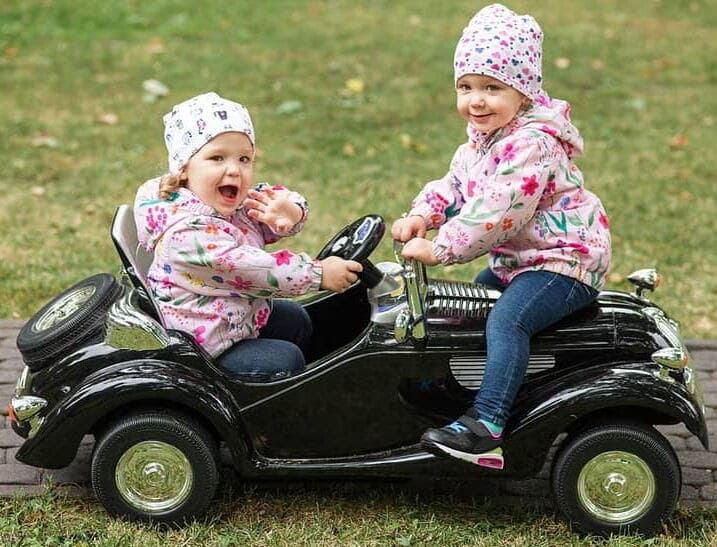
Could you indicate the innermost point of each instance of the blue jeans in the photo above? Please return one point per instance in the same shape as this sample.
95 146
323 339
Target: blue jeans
531 302
279 350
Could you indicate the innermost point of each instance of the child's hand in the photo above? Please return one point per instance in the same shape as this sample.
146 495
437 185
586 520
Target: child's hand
274 208
339 274
407 228
420 249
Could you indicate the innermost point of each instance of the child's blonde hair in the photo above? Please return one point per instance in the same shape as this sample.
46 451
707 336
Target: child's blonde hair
169 184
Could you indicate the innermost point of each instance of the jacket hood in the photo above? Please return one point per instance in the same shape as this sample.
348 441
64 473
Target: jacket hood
154 216
551 116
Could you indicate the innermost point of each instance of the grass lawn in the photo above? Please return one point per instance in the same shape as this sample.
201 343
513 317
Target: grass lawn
354 107
327 515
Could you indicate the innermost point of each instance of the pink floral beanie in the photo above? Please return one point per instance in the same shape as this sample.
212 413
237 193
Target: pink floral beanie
503 45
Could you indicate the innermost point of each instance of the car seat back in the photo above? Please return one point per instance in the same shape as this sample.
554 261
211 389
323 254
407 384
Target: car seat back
135 260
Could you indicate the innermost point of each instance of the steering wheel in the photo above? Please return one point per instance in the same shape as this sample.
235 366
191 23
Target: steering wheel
356 242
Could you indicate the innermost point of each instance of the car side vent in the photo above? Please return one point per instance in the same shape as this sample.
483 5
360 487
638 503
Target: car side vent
468 371
457 299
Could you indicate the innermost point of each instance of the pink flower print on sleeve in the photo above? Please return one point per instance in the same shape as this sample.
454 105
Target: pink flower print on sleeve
158 223
604 221
530 185
507 154
471 188
239 284
282 257
199 334
261 318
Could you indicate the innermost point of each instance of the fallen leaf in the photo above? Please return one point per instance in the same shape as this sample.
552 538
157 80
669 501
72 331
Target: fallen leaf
155 87
354 85
562 62
598 64
406 140
37 191
414 20
348 149
678 142
155 46
45 140
11 52
289 107
108 118
616 278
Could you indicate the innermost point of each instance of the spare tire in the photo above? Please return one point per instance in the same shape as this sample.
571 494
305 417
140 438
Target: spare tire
73 316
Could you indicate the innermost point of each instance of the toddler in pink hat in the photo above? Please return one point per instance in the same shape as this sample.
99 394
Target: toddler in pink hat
514 193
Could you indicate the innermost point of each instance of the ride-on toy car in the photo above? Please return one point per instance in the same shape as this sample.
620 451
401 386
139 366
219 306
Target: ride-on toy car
393 355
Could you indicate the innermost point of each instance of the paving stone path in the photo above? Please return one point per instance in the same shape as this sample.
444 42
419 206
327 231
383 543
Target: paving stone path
699 466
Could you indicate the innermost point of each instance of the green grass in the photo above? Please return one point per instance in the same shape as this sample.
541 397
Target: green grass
640 75
641 79
326 515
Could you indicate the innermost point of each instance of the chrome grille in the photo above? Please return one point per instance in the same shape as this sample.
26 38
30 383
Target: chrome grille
457 299
469 370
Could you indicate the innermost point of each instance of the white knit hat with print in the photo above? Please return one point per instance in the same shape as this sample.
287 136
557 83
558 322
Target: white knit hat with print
194 122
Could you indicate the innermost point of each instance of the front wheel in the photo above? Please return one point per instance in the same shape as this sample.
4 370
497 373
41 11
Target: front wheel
155 467
616 479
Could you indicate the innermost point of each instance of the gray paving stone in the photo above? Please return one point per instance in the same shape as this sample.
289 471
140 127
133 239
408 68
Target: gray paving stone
10 439
702 460
8 343
689 493
10 353
696 477
8 376
8 333
3 455
709 492
12 490
678 443
12 364
709 386
16 473
12 323
76 473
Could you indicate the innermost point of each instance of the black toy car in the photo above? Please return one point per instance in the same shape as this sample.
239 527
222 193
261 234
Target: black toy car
391 356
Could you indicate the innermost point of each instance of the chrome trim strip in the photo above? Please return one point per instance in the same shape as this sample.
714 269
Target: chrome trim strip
469 370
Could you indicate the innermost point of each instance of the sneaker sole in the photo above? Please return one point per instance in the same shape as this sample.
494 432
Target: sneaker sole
492 459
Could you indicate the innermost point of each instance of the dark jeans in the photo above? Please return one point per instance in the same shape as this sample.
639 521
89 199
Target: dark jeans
530 303
279 350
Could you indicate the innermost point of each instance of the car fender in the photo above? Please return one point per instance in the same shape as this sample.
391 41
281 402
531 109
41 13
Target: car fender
625 391
132 384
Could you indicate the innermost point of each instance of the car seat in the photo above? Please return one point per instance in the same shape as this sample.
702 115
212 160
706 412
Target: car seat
135 259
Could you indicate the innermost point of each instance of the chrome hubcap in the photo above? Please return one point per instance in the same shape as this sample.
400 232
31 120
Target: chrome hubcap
64 308
154 477
616 487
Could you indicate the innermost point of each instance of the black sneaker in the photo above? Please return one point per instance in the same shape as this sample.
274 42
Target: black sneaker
466 439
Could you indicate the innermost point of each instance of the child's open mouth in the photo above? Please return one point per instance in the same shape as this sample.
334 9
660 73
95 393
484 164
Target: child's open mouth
229 192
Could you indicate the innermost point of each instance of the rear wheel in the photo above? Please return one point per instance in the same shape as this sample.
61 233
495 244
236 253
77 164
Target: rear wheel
616 479
153 466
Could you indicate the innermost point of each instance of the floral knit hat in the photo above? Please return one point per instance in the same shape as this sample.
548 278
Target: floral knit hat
503 45
194 122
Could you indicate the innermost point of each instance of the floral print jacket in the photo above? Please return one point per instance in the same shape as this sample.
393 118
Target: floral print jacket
517 195
211 276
